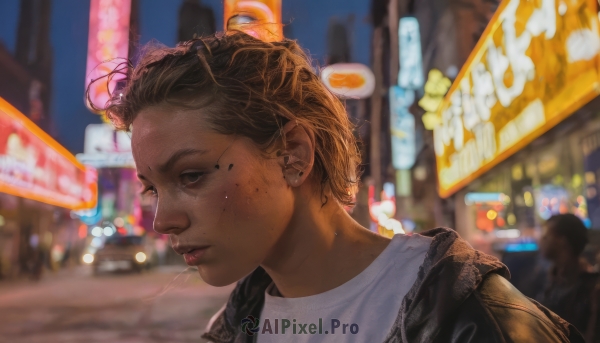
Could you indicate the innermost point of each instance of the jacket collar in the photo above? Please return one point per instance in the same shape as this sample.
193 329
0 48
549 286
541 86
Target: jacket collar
451 271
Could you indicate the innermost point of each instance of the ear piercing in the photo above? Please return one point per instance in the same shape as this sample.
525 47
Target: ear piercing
291 161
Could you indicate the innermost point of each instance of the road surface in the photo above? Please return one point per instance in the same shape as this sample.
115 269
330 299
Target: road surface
74 306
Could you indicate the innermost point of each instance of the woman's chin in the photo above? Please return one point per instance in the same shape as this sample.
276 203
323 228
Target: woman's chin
220 278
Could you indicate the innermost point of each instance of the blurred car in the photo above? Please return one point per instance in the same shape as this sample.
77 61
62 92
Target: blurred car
131 253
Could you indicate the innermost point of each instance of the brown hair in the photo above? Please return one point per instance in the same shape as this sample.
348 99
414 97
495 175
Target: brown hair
249 88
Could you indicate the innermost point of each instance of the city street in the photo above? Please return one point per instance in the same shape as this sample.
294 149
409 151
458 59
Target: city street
322 140
74 306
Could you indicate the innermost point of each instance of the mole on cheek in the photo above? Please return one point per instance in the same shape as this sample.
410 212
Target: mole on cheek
230 166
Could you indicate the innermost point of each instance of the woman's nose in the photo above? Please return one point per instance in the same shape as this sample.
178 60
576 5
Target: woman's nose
169 218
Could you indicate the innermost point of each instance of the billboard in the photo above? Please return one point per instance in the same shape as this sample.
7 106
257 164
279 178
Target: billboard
535 64
35 166
102 138
106 148
258 18
108 39
349 80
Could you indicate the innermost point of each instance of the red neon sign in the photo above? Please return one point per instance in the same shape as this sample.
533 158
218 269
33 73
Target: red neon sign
35 166
108 39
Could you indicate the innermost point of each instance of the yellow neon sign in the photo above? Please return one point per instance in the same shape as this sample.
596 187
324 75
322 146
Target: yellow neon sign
536 63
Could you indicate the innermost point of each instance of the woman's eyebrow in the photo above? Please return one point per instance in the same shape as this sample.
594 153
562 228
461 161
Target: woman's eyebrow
176 156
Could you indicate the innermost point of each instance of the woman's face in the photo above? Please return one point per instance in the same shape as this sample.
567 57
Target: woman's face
221 201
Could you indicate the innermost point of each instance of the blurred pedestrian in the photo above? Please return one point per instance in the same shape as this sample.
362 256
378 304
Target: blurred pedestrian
572 287
252 160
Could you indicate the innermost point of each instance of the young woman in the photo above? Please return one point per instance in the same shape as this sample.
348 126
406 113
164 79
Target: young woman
251 160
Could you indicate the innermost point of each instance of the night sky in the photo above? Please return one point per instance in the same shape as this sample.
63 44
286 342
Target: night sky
158 21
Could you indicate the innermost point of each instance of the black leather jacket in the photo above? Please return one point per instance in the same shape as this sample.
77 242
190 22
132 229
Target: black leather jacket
461 295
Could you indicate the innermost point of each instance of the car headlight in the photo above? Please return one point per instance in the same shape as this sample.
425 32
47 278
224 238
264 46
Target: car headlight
88 258
140 257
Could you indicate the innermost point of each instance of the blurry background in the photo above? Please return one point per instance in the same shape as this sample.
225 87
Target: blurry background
460 127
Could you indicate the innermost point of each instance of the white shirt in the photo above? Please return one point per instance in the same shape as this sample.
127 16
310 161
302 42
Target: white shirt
361 310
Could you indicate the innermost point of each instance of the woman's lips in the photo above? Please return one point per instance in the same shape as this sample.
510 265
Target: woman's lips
192 258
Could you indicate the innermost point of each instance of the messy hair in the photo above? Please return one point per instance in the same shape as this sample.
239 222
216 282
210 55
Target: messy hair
248 87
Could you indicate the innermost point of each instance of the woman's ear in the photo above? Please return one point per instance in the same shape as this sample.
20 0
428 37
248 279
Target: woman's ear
298 155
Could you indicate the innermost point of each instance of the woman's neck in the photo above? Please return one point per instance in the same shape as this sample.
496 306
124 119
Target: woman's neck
322 248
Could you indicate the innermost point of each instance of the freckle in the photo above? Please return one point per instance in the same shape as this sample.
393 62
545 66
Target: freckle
230 166
237 185
216 166
257 189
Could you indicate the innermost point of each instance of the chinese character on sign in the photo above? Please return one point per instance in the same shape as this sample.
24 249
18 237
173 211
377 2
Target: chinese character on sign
435 88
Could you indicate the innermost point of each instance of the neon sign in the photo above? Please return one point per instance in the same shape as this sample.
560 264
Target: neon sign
410 75
435 88
258 18
536 63
349 80
108 39
402 125
35 166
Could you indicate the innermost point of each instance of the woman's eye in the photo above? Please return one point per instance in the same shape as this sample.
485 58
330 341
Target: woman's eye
189 178
150 191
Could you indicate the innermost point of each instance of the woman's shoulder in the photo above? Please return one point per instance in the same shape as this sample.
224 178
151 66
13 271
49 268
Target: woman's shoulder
498 307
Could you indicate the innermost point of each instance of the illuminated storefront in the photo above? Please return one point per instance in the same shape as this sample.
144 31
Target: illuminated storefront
536 64
40 182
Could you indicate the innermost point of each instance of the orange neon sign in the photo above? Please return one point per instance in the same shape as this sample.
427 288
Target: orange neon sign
536 63
338 80
35 166
258 18
349 80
